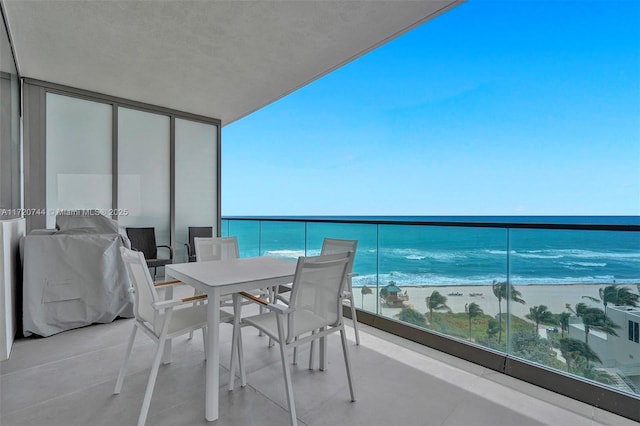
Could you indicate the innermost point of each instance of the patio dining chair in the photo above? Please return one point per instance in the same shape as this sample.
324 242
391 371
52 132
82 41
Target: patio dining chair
333 246
214 248
196 232
219 248
163 320
314 311
144 240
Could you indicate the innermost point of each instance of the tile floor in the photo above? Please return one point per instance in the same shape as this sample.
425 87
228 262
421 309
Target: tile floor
68 379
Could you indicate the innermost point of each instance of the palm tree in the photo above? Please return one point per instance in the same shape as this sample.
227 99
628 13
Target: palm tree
573 350
502 290
473 310
539 314
619 296
436 302
563 318
625 297
493 326
363 291
595 319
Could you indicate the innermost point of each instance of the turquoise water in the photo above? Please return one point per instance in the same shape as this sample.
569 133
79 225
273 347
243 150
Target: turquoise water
437 255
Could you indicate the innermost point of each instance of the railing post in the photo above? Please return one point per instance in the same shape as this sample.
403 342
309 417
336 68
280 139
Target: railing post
377 269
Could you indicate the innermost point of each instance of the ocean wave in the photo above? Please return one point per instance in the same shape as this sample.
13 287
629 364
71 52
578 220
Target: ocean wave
582 265
498 252
285 254
423 279
532 255
427 279
415 254
578 254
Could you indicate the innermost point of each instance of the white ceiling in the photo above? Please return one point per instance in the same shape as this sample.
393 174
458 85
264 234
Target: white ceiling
222 59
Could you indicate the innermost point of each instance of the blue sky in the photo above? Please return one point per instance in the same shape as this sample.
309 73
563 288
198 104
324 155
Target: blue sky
494 108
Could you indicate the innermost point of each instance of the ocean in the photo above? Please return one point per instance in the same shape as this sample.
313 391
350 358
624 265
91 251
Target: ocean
437 255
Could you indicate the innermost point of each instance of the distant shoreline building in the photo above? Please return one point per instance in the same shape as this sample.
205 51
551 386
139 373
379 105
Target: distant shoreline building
621 352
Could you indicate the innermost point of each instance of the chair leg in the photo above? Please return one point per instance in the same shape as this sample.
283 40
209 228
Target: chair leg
152 382
260 333
347 362
312 352
287 373
125 364
236 346
295 353
195 293
243 374
323 351
354 318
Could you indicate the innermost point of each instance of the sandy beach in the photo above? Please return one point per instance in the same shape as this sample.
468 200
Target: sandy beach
555 297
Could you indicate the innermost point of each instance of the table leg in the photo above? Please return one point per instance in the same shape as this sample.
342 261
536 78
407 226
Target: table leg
213 355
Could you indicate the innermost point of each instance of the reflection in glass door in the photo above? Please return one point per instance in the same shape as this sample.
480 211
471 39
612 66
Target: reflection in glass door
196 178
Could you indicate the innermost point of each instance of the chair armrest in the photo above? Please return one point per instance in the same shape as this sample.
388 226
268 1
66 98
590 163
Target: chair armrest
188 246
170 250
254 298
165 304
193 298
271 306
279 309
165 283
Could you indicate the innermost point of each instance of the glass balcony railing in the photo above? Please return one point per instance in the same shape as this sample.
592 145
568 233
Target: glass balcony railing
564 297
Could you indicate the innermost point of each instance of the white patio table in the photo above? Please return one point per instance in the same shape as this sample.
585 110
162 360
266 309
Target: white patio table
221 277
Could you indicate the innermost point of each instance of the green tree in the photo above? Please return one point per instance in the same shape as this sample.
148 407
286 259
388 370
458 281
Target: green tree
412 316
529 345
365 290
539 314
502 290
574 351
595 319
436 302
493 327
473 310
614 294
563 319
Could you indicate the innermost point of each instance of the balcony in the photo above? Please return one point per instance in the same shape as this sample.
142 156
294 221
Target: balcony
68 379
504 295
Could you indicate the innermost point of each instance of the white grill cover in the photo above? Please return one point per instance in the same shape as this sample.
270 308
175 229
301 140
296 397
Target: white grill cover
72 278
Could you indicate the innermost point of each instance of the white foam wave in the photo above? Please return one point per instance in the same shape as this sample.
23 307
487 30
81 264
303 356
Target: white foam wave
537 256
579 254
584 264
414 254
498 252
285 254
417 279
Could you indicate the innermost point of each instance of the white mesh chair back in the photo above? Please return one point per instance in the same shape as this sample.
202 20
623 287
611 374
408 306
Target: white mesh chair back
333 246
216 248
316 296
145 292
